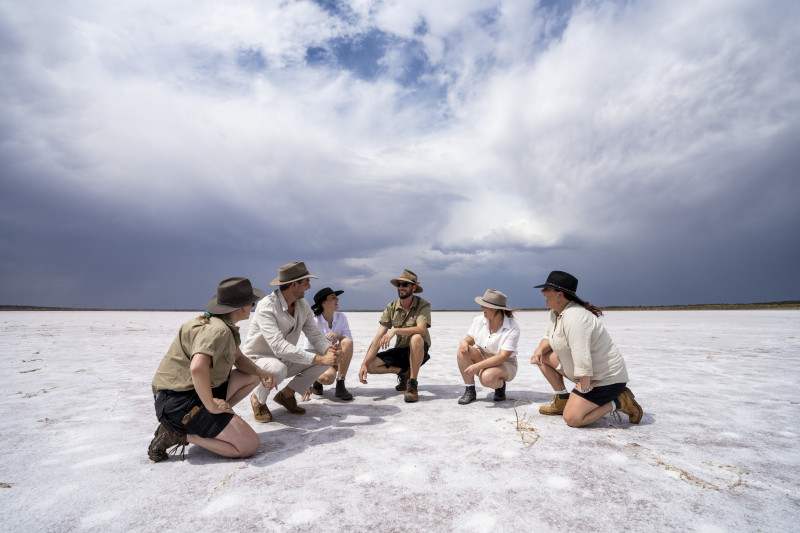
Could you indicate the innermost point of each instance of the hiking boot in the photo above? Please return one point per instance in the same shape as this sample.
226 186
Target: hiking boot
341 392
163 439
289 403
260 410
629 406
556 407
402 380
468 396
500 394
411 394
316 388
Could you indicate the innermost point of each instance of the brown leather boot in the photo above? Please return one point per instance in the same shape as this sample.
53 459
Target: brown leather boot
411 394
260 410
402 380
629 406
163 440
556 407
289 402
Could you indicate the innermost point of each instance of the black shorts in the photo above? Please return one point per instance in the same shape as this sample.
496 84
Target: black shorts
174 410
400 357
602 395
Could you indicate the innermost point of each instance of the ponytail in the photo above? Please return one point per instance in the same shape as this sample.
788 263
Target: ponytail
596 311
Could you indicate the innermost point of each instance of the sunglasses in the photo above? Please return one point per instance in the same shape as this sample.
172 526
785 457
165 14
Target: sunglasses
404 284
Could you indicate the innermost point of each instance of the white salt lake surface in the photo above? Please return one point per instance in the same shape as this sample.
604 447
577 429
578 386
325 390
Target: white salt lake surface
717 448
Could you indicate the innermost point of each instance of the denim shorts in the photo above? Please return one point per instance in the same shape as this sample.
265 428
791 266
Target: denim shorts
183 412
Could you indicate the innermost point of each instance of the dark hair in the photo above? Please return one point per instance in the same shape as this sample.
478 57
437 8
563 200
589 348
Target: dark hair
286 286
596 311
509 313
317 309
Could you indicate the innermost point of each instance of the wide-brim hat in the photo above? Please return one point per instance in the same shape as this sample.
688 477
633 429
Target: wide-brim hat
232 294
321 295
494 299
561 281
408 276
291 272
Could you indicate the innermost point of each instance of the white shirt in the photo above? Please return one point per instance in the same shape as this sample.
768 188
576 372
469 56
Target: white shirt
506 338
340 327
274 332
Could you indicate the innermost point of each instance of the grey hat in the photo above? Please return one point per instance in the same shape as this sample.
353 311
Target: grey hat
291 272
232 294
494 299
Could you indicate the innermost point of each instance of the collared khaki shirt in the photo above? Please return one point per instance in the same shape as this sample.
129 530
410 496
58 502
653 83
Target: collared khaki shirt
218 339
394 317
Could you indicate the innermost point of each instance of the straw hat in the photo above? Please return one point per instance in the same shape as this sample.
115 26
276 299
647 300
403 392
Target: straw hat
408 276
291 272
233 294
494 299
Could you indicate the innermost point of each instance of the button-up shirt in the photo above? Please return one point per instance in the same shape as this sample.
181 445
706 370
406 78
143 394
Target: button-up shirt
340 326
394 317
274 332
584 347
506 338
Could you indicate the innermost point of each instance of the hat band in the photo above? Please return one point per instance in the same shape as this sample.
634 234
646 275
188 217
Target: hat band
559 287
238 303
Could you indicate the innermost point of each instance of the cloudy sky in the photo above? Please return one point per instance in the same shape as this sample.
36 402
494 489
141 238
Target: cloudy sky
150 149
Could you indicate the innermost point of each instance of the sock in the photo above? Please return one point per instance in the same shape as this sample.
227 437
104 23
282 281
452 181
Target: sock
563 394
471 386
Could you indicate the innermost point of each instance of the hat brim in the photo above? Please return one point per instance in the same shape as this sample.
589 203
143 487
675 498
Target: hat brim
318 305
219 309
483 303
397 280
277 281
559 289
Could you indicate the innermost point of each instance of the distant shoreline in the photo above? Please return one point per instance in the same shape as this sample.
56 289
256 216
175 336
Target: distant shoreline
783 305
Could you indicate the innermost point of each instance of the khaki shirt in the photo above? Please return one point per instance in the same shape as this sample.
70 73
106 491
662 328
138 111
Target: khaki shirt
218 339
394 317
584 347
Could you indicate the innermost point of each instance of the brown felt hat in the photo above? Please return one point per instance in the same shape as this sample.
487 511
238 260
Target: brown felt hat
291 272
232 294
408 276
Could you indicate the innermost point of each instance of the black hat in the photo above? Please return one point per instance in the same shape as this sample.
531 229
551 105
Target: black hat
321 295
233 294
563 282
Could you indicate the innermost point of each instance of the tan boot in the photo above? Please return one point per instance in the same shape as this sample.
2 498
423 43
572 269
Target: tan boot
288 402
629 406
556 407
260 410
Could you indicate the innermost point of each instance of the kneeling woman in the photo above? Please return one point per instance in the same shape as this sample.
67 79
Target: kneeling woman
578 347
194 386
490 348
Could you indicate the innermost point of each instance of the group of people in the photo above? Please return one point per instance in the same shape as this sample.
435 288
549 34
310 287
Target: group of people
196 385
